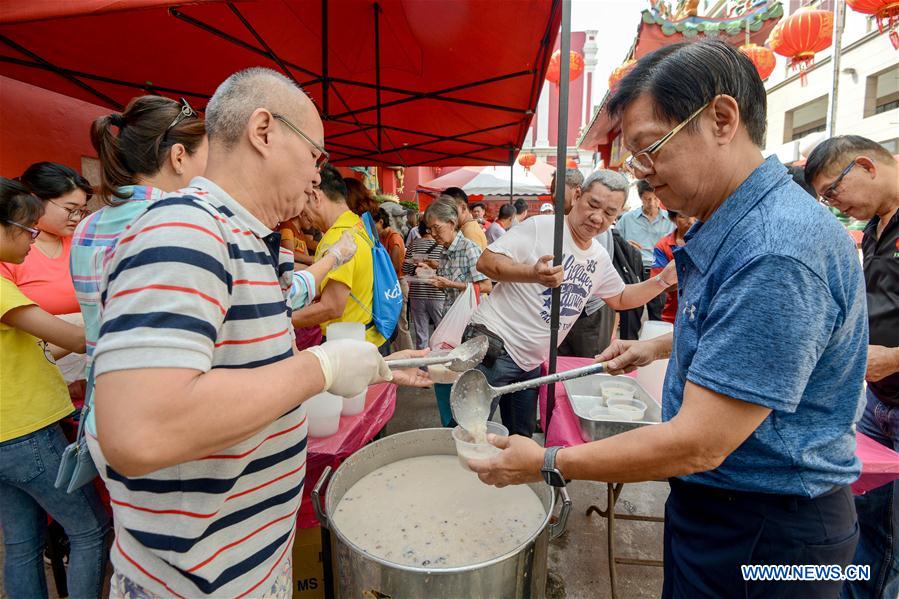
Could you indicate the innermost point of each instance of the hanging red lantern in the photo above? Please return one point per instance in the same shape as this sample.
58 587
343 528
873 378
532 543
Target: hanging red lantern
801 35
620 71
527 160
571 163
886 12
761 57
575 67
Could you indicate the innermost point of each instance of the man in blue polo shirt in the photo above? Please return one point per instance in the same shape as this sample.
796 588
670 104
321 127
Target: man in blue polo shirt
764 384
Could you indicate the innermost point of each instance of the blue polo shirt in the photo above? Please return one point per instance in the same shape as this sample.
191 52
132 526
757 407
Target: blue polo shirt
772 312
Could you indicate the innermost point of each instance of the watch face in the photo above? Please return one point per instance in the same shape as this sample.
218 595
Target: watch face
553 478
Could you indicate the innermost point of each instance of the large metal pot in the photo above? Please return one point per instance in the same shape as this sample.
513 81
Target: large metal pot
518 574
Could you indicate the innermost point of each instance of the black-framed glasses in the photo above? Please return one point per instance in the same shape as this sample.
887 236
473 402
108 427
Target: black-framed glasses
74 213
186 112
827 197
323 155
34 232
641 162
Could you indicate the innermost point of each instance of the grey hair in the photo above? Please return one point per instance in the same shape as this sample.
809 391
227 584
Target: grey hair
238 96
610 179
443 210
573 177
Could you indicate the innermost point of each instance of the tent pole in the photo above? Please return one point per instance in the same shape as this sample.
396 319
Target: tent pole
378 69
325 81
512 183
561 153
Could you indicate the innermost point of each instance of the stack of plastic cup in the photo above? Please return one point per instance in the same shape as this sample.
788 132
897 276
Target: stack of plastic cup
355 331
323 412
652 376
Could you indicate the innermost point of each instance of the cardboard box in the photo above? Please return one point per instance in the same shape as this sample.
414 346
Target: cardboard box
308 572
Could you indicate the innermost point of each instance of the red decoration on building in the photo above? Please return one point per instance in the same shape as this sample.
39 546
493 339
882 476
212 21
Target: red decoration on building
620 71
801 35
886 12
571 163
763 59
575 66
527 160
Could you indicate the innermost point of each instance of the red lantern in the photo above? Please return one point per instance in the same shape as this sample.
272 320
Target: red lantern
885 11
761 57
801 35
620 71
575 67
527 160
571 163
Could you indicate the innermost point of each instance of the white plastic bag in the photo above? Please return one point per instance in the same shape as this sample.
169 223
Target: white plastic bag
448 333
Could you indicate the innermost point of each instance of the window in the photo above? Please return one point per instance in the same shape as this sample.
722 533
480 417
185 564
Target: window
882 91
808 118
891 145
819 4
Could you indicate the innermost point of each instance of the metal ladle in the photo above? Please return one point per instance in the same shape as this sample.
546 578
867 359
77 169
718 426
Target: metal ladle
464 357
471 395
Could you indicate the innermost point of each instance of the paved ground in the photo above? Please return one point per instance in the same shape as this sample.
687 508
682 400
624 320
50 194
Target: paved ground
578 561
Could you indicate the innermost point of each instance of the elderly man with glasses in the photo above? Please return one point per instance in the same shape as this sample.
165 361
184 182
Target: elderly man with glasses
860 178
201 431
768 351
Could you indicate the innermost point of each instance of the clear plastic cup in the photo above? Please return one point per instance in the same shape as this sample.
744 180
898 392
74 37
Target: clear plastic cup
323 411
616 390
467 449
601 413
345 330
586 403
353 405
626 409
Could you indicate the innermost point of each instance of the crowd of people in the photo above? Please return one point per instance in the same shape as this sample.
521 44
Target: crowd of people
226 246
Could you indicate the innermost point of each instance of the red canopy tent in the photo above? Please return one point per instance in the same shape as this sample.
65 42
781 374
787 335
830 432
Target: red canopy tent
398 82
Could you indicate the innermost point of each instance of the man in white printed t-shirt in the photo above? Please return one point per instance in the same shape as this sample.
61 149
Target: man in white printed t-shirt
515 317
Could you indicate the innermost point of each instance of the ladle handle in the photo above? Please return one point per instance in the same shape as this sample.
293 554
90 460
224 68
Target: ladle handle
414 362
550 378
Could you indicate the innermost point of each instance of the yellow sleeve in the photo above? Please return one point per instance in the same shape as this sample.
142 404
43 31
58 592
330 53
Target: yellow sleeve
343 274
11 297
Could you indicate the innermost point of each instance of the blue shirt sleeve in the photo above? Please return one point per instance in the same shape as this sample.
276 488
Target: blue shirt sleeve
660 260
760 341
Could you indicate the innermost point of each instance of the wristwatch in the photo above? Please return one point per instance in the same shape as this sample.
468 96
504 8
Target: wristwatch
662 281
550 473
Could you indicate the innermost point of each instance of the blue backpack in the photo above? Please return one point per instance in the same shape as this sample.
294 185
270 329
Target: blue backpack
387 302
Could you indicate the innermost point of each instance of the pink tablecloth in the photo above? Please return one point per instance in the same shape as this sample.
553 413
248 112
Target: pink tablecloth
353 434
880 464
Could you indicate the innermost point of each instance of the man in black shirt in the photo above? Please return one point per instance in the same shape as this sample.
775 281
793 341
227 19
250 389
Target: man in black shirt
860 178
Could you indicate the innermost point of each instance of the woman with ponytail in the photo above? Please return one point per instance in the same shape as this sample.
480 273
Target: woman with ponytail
156 146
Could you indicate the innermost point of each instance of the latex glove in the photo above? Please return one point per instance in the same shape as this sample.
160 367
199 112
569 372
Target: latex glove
343 249
349 366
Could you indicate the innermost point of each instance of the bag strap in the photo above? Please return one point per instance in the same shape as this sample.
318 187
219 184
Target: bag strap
86 408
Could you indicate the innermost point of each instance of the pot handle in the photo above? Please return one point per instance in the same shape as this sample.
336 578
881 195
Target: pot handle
316 502
557 529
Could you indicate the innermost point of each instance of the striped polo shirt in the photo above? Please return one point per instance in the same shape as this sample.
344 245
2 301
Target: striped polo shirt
198 282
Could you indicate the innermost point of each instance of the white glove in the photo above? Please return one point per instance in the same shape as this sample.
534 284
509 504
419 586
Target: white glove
343 249
349 366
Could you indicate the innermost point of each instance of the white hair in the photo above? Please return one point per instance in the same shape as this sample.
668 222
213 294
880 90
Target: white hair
610 179
239 95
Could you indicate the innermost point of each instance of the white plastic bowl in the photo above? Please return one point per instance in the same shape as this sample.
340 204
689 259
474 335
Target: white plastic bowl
467 450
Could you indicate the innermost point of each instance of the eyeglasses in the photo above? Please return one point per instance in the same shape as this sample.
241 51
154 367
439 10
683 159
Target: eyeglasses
186 112
641 162
74 213
435 228
827 197
323 155
34 232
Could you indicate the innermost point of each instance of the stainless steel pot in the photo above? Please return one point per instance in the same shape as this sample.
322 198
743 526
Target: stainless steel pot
518 574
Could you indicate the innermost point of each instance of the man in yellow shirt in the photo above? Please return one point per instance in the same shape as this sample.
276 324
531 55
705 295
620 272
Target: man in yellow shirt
471 228
347 292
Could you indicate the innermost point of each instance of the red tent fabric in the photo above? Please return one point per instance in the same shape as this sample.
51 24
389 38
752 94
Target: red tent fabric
398 82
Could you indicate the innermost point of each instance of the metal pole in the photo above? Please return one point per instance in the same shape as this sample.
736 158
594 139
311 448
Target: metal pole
561 155
377 8
511 183
839 20
325 81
